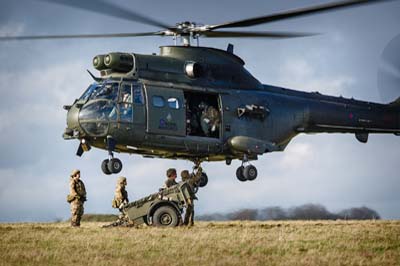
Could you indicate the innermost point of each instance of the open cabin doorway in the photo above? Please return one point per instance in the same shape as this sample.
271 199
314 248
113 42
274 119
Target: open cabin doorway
203 114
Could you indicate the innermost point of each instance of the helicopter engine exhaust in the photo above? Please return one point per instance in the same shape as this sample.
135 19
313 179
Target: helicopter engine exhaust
98 62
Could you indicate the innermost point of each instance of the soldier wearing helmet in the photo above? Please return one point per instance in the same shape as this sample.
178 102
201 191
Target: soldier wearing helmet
76 197
121 195
171 176
119 201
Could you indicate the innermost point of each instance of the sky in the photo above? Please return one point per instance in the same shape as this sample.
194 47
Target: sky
38 77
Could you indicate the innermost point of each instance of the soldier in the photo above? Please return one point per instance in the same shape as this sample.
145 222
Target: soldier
121 195
210 120
121 199
171 176
76 197
192 179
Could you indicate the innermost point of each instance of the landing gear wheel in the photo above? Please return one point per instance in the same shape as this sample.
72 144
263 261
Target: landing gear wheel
239 174
165 216
114 165
250 172
203 180
104 167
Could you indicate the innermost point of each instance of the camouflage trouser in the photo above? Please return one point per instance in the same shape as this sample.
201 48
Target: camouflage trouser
189 215
76 212
123 220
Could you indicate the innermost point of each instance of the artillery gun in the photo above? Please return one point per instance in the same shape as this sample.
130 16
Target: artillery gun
163 208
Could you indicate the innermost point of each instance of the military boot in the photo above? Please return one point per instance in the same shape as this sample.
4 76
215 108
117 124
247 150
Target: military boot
73 224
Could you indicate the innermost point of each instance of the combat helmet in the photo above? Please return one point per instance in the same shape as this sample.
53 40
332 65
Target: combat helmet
185 175
121 180
74 172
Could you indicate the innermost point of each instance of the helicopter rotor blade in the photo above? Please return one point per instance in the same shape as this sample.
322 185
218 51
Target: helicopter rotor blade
389 71
111 10
294 13
255 34
80 36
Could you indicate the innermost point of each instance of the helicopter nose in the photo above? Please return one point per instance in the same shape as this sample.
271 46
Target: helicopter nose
73 127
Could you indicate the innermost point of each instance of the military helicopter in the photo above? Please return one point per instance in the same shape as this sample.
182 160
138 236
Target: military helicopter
200 103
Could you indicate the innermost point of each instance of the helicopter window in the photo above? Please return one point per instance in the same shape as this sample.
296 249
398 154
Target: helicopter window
96 129
125 112
158 101
126 94
108 91
173 103
89 91
98 111
138 93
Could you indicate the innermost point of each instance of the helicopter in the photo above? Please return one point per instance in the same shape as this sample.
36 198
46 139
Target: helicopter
200 103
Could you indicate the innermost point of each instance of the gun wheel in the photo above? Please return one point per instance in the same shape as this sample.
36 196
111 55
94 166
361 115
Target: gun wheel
165 216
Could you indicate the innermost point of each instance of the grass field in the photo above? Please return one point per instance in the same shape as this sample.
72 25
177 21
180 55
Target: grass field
207 243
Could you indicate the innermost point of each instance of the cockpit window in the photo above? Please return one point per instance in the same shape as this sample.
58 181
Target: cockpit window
89 91
125 95
107 91
98 111
138 93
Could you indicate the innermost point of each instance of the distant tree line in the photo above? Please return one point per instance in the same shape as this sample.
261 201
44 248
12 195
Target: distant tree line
303 212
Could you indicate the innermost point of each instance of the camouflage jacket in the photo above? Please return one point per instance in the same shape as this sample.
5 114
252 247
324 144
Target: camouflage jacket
194 178
77 190
170 182
120 196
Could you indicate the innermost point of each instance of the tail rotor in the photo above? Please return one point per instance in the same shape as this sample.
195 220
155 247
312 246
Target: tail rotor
389 71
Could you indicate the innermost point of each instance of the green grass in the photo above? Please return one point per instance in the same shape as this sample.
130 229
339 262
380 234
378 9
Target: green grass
207 243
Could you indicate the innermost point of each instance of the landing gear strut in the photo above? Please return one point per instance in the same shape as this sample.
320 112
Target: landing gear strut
246 172
111 165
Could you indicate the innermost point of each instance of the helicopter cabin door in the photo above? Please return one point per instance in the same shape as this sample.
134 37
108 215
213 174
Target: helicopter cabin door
165 111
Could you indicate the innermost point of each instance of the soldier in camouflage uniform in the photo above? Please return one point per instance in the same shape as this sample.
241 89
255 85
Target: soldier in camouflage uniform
171 176
121 195
76 197
192 179
119 201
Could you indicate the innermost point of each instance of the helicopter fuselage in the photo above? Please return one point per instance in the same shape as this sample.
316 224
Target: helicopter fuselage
200 104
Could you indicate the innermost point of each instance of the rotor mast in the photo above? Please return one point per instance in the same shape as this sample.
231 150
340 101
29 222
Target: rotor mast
187 31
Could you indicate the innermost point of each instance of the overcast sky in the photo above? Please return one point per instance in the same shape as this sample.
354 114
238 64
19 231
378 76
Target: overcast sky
38 77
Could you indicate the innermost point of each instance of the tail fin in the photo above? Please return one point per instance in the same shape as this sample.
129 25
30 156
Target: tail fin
395 103
396 106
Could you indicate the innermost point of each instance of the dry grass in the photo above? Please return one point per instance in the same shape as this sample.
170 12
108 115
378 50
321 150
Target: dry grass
207 243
